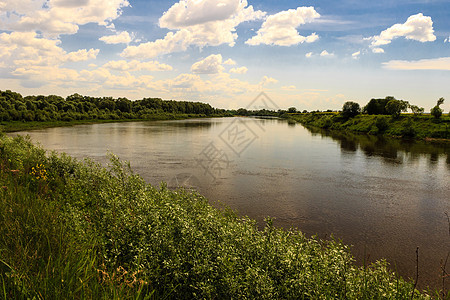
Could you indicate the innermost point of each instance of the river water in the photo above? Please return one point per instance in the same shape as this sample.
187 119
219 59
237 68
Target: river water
383 196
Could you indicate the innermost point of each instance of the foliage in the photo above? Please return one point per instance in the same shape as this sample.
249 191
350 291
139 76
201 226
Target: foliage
395 107
436 111
89 232
417 111
350 109
14 107
408 126
292 110
377 106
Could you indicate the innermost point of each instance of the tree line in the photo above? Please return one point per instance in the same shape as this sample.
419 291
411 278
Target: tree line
389 106
14 107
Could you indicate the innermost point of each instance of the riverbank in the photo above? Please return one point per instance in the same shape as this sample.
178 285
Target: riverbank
423 127
77 230
15 126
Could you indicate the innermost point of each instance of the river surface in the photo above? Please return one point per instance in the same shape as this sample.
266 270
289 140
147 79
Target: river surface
383 196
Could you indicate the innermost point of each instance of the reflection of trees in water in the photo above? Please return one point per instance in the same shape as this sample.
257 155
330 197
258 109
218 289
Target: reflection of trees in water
392 150
191 124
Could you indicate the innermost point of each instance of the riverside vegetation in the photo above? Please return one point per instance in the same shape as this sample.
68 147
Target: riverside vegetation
382 117
22 113
74 229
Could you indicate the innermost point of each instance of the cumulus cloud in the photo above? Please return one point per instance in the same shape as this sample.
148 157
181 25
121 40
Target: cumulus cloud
190 12
172 42
229 62
55 17
119 38
25 48
135 65
46 74
210 65
197 23
267 80
377 50
325 53
442 63
417 27
281 29
309 54
39 61
289 88
241 70
447 40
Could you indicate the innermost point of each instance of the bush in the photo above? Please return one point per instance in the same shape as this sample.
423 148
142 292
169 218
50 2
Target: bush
381 123
437 111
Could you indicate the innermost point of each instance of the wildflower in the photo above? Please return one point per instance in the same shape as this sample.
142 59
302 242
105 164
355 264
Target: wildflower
15 172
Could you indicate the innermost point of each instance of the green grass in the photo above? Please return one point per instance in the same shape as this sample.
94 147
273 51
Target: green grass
71 229
406 126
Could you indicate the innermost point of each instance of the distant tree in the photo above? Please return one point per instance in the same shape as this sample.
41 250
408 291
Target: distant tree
304 111
242 112
395 107
437 111
377 106
350 109
292 110
416 110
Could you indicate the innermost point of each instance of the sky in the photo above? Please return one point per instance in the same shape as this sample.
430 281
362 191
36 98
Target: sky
312 54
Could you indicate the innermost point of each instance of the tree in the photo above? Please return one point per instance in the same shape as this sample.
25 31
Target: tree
416 110
377 106
292 110
350 109
395 107
437 111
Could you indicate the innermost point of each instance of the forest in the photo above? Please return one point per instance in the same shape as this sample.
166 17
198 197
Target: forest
15 107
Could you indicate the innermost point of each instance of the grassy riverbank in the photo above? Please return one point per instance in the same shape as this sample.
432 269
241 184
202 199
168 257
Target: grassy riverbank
13 126
405 126
72 229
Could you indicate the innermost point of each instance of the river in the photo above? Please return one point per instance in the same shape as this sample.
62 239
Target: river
385 197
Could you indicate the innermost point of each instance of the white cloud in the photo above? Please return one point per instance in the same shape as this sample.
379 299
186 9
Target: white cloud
356 55
447 40
229 62
135 65
197 23
55 17
418 28
81 55
177 42
119 38
281 29
26 49
267 80
378 50
241 70
442 63
46 74
309 54
191 12
210 65
325 53
289 88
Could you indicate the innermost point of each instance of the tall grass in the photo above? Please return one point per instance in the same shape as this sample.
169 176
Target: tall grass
88 232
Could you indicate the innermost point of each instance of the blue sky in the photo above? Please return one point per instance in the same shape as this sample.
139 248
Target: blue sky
308 54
